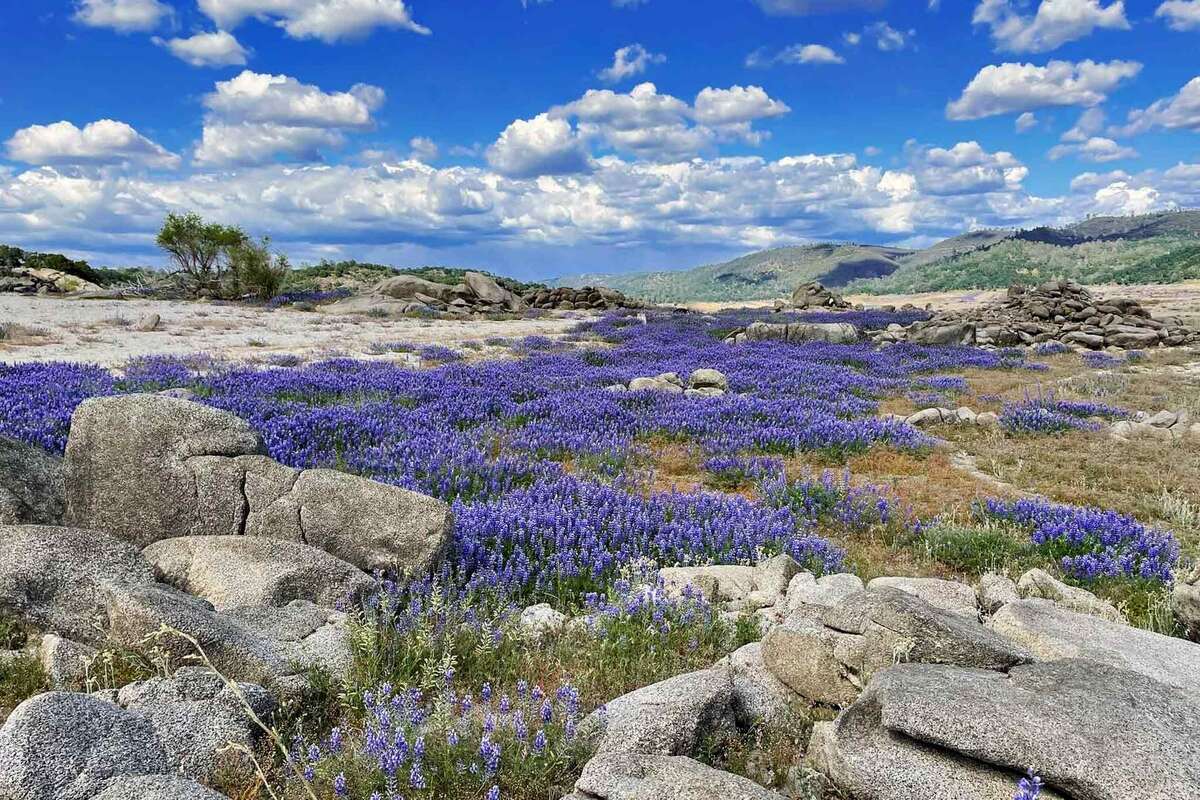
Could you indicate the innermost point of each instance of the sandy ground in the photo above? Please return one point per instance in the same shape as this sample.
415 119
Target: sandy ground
102 331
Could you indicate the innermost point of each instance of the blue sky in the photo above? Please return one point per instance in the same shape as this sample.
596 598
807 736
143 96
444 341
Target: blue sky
545 138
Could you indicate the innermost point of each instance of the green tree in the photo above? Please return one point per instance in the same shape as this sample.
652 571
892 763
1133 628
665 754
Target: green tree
201 250
255 269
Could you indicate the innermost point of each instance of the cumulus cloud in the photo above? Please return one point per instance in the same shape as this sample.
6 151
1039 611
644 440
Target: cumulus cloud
422 148
800 8
122 15
1026 122
736 105
1090 123
1096 148
1181 111
103 142
326 20
965 168
1181 15
540 146
629 61
1055 23
795 54
254 117
887 38
1012 88
216 49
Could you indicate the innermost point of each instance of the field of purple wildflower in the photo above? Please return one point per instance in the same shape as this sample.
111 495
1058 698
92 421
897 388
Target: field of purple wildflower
549 472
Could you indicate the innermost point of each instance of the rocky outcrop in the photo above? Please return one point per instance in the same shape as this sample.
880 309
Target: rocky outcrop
668 718
41 280
649 777
949 596
827 654
32 485
197 717
1185 602
1094 732
149 467
53 578
236 571
815 295
1051 632
832 332
588 298
1037 583
408 294
1060 311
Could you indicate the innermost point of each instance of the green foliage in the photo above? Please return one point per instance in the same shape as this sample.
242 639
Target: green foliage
255 269
1158 259
12 257
21 677
201 250
975 549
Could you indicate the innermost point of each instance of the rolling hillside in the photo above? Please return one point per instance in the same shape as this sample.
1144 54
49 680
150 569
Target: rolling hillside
1151 248
758 276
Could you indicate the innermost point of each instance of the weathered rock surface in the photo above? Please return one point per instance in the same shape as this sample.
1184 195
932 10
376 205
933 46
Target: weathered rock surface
807 590
1093 731
949 596
1051 632
814 295
827 654
196 717
708 379
51 577
648 777
148 467
668 718
65 663
541 620
66 746
32 485
235 571
586 298
758 696
736 587
156 787
304 634
1037 583
832 332
995 591
1185 602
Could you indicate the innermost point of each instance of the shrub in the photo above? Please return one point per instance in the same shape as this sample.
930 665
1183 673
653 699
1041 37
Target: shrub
201 250
257 270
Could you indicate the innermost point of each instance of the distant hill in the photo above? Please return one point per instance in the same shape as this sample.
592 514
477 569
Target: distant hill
1150 248
758 276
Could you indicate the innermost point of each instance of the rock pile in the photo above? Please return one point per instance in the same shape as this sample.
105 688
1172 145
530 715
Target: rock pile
597 298
814 295
701 383
30 280
408 294
180 526
945 691
1060 311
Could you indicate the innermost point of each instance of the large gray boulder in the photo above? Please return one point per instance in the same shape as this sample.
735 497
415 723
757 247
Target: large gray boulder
236 571
642 777
304 634
65 746
148 467
828 653
51 578
1051 632
943 334
1037 583
758 696
156 787
132 467
197 717
947 595
32 485
1092 731
406 287
487 290
668 718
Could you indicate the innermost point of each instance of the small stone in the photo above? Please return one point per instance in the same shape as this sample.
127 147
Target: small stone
147 323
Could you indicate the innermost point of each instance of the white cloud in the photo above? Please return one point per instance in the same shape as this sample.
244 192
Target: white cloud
1055 23
216 49
851 38
327 20
258 97
103 142
965 168
871 151
629 61
1181 15
122 15
1026 122
1090 123
423 149
887 38
1180 111
1096 149
736 105
800 8
539 146
1013 88
795 54
255 117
